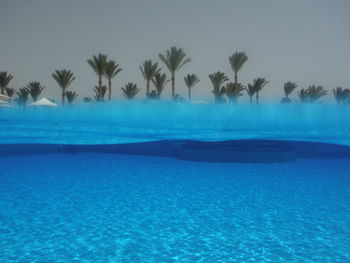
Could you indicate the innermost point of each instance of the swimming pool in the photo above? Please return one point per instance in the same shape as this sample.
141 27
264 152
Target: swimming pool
172 185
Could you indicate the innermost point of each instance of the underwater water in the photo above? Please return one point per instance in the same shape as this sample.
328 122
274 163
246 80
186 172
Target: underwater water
148 184
123 122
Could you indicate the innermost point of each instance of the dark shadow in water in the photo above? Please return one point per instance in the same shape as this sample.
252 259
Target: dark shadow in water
257 151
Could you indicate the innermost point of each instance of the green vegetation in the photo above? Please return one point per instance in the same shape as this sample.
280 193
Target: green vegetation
63 78
71 96
22 97
288 88
87 99
98 64
174 59
149 71
100 92
223 89
250 89
34 89
312 94
233 91
159 81
259 84
110 71
130 90
5 79
342 96
237 61
10 91
217 80
191 80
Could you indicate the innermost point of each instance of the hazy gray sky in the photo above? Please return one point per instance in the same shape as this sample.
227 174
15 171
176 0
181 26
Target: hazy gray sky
305 41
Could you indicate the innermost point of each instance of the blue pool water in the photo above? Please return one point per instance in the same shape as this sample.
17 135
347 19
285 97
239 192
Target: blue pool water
90 207
118 190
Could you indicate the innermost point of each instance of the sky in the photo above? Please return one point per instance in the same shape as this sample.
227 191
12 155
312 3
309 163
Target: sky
304 41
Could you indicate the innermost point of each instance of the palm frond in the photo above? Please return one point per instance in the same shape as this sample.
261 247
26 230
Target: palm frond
234 91
149 70
64 78
191 80
237 60
71 96
22 96
341 95
289 87
10 91
159 81
5 79
98 63
35 89
174 59
259 84
130 90
111 69
312 94
100 92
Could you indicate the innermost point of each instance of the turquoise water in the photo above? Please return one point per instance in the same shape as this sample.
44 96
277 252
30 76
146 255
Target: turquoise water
146 193
124 122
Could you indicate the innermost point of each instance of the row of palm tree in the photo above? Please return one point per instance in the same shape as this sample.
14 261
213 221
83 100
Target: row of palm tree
63 77
32 89
314 93
174 59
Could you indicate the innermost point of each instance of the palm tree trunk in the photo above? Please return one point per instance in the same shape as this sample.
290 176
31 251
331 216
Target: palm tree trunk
100 82
257 98
235 77
173 86
147 89
109 89
189 94
63 95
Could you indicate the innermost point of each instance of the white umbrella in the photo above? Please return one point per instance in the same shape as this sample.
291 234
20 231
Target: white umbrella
43 102
4 104
4 97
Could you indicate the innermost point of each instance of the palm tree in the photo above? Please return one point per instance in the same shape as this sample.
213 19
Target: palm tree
63 78
149 70
98 64
174 59
341 95
71 96
191 80
259 83
179 98
159 81
10 91
100 92
111 70
87 99
130 90
218 79
288 87
35 88
234 91
237 61
22 96
250 89
312 94
153 95
5 79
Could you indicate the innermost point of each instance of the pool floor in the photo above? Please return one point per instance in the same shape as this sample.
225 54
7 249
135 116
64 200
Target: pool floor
97 207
